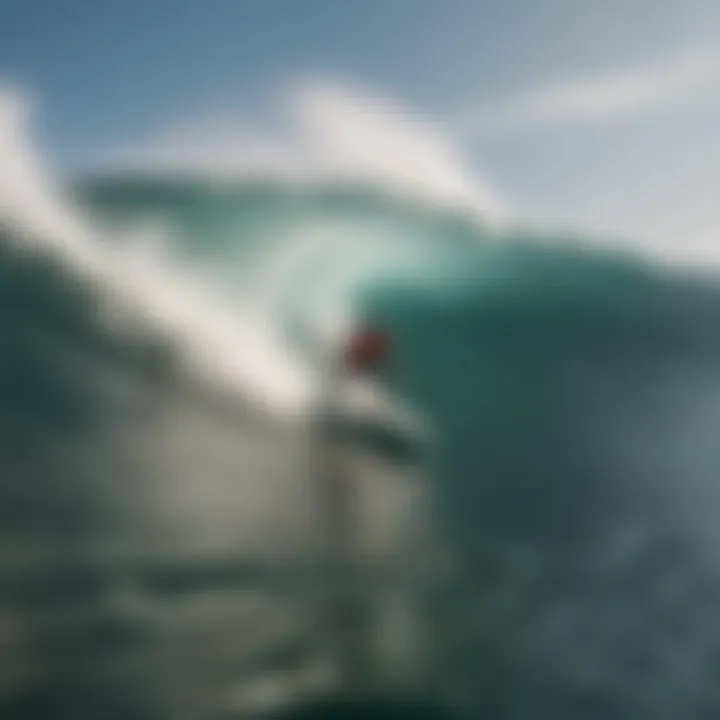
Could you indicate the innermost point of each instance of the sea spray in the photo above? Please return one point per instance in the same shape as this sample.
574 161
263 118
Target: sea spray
573 395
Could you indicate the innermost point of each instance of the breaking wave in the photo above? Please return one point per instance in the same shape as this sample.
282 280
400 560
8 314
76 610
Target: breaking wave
575 395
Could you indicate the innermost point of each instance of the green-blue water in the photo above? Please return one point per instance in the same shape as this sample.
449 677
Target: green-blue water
575 396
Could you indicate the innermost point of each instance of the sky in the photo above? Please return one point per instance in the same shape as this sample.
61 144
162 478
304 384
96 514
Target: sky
600 114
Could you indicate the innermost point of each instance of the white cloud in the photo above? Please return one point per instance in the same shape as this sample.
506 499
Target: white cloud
622 92
331 132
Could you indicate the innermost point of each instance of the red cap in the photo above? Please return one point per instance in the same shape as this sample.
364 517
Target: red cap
366 350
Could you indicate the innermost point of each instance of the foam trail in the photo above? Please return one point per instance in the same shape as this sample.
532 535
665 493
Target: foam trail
221 341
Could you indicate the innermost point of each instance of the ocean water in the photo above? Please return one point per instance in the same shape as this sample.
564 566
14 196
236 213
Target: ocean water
163 339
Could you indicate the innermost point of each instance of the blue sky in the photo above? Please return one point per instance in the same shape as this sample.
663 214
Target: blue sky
601 113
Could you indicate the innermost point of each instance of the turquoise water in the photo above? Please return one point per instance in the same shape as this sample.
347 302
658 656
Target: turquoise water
575 397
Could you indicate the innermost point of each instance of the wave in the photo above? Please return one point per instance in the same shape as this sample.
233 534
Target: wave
574 393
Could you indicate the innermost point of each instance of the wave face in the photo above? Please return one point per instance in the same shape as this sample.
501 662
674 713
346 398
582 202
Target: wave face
573 395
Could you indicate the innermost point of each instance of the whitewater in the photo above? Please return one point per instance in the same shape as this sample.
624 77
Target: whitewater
165 331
